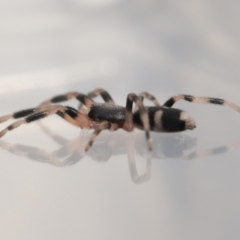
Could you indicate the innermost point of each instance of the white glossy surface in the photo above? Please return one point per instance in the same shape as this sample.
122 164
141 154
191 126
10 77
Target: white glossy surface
164 47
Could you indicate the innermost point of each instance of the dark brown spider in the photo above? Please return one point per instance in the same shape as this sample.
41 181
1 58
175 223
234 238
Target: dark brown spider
108 115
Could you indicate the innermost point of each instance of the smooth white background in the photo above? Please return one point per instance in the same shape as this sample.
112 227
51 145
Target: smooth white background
163 47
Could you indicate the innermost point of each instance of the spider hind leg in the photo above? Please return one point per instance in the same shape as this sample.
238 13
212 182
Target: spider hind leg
150 97
203 100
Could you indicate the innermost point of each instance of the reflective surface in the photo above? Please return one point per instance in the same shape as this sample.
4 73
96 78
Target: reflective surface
187 187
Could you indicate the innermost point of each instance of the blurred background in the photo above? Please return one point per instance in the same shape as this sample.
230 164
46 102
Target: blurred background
119 190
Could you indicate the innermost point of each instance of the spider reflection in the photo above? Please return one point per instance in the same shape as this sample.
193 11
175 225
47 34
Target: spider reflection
71 152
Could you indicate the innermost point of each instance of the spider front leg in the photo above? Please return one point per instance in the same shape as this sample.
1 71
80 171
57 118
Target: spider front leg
204 100
129 125
69 114
26 112
18 114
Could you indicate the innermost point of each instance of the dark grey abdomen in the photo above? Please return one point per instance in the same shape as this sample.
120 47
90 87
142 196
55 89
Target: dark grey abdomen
108 112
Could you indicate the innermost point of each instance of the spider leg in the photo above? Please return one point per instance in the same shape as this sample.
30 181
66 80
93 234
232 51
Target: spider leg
19 114
103 93
67 113
189 98
84 99
128 125
102 126
149 97
22 113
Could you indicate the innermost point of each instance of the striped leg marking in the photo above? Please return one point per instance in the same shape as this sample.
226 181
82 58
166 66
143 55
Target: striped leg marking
103 93
149 97
84 99
23 113
203 100
102 126
18 114
143 114
67 113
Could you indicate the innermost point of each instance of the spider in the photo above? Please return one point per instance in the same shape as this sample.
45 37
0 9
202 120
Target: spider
108 115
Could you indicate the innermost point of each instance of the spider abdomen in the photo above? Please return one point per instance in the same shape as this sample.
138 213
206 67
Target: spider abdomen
162 119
